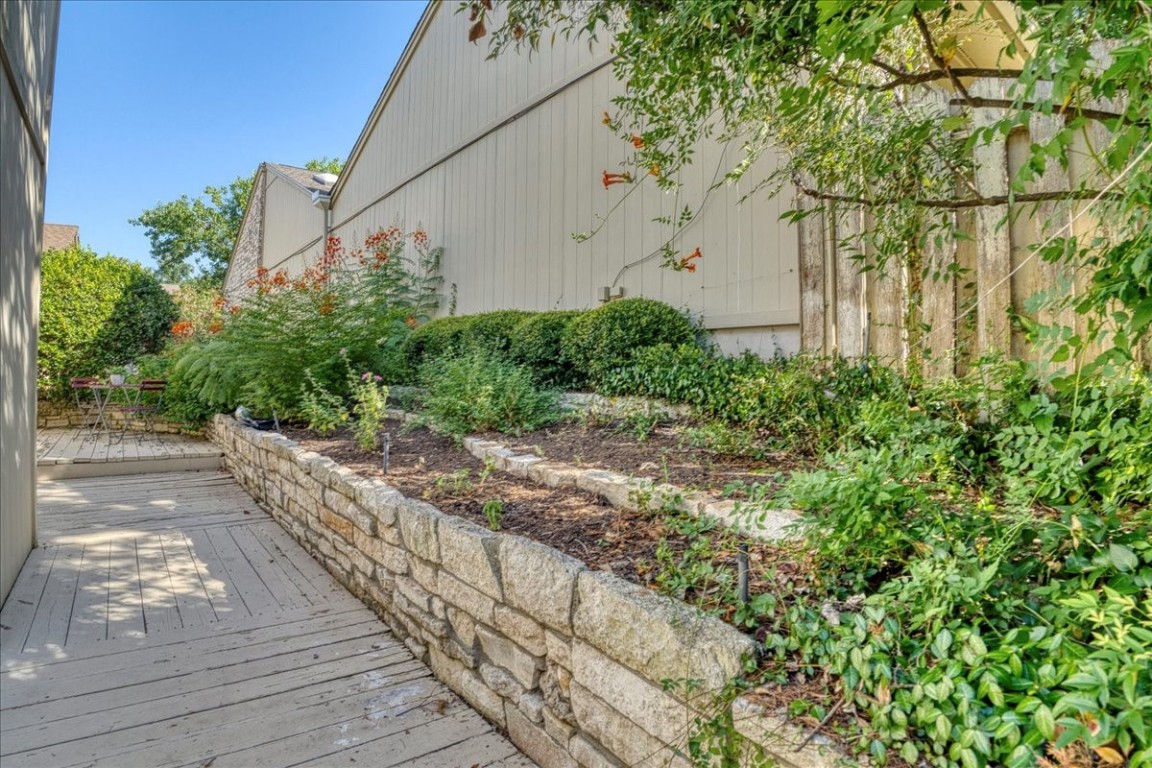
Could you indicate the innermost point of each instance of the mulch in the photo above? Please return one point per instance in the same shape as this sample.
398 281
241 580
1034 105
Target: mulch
433 467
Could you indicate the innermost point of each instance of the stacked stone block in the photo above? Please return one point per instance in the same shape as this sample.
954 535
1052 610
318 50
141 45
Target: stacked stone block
50 415
570 662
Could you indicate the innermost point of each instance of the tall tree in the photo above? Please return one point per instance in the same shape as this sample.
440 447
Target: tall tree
875 105
194 237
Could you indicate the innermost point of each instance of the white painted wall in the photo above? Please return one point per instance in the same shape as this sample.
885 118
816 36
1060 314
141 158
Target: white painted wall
28 59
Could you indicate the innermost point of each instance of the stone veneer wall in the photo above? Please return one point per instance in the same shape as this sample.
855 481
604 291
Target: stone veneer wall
569 661
51 415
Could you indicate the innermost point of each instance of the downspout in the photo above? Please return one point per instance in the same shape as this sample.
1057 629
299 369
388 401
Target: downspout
323 200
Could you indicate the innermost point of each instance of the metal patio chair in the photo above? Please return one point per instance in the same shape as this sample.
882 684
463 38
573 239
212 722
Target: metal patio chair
149 399
87 401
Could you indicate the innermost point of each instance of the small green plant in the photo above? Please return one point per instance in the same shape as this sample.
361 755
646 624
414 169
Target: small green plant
369 404
642 421
494 513
481 391
489 468
324 411
451 485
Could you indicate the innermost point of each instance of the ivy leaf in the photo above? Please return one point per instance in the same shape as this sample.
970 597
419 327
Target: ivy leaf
942 643
1044 721
1123 558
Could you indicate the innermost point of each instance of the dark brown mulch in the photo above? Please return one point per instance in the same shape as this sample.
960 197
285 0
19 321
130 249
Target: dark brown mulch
667 455
425 465
428 466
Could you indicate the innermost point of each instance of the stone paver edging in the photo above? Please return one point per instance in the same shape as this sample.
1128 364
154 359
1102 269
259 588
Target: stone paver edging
570 662
623 491
632 493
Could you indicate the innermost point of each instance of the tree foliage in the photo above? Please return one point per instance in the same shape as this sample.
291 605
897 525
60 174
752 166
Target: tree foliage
96 312
877 105
194 237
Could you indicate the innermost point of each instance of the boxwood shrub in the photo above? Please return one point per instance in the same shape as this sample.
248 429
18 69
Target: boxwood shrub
606 338
435 339
537 343
492 331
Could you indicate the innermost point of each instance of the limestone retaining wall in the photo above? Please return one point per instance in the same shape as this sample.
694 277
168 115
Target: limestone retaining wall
569 661
51 415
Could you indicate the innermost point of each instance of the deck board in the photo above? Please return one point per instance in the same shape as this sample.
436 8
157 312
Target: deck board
73 453
167 620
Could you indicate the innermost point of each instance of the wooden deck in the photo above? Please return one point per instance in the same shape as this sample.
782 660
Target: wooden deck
168 621
71 453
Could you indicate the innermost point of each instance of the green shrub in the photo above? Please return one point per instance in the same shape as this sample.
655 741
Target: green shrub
537 343
96 312
437 338
607 337
481 391
492 331
803 404
335 315
447 336
181 402
686 373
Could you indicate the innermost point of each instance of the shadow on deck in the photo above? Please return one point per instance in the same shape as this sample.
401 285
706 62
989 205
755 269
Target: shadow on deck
167 621
71 453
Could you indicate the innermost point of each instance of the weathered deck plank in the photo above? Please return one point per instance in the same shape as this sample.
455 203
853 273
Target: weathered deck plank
168 621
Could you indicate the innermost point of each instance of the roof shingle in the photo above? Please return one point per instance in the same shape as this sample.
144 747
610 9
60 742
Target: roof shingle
57 237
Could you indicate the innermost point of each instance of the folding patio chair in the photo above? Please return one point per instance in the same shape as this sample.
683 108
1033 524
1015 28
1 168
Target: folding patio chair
87 401
147 404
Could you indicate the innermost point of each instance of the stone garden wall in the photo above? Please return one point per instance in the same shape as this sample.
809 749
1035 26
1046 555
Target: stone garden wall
570 662
50 415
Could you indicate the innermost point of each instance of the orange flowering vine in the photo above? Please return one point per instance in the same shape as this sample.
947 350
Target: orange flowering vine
609 179
607 119
638 141
183 329
686 262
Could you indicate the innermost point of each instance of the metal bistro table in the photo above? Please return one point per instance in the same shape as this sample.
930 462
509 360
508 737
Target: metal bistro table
103 394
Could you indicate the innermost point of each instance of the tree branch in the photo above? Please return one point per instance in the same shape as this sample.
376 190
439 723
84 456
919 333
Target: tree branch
937 74
936 57
976 202
1063 111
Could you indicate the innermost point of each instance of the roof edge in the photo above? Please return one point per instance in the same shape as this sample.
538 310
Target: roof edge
294 182
414 41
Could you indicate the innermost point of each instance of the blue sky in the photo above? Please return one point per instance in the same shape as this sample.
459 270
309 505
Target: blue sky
158 99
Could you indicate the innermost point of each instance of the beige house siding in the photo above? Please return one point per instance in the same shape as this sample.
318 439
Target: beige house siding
501 162
290 221
27 57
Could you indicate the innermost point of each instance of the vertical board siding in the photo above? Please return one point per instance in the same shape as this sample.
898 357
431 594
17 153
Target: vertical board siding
290 221
28 33
957 318
506 205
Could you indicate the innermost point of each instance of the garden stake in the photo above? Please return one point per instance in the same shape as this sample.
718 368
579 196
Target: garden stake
742 573
385 445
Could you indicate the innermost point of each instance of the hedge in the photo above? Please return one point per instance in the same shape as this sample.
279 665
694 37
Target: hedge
96 313
606 338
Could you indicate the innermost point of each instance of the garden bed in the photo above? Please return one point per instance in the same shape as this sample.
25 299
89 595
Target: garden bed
627 542
574 663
